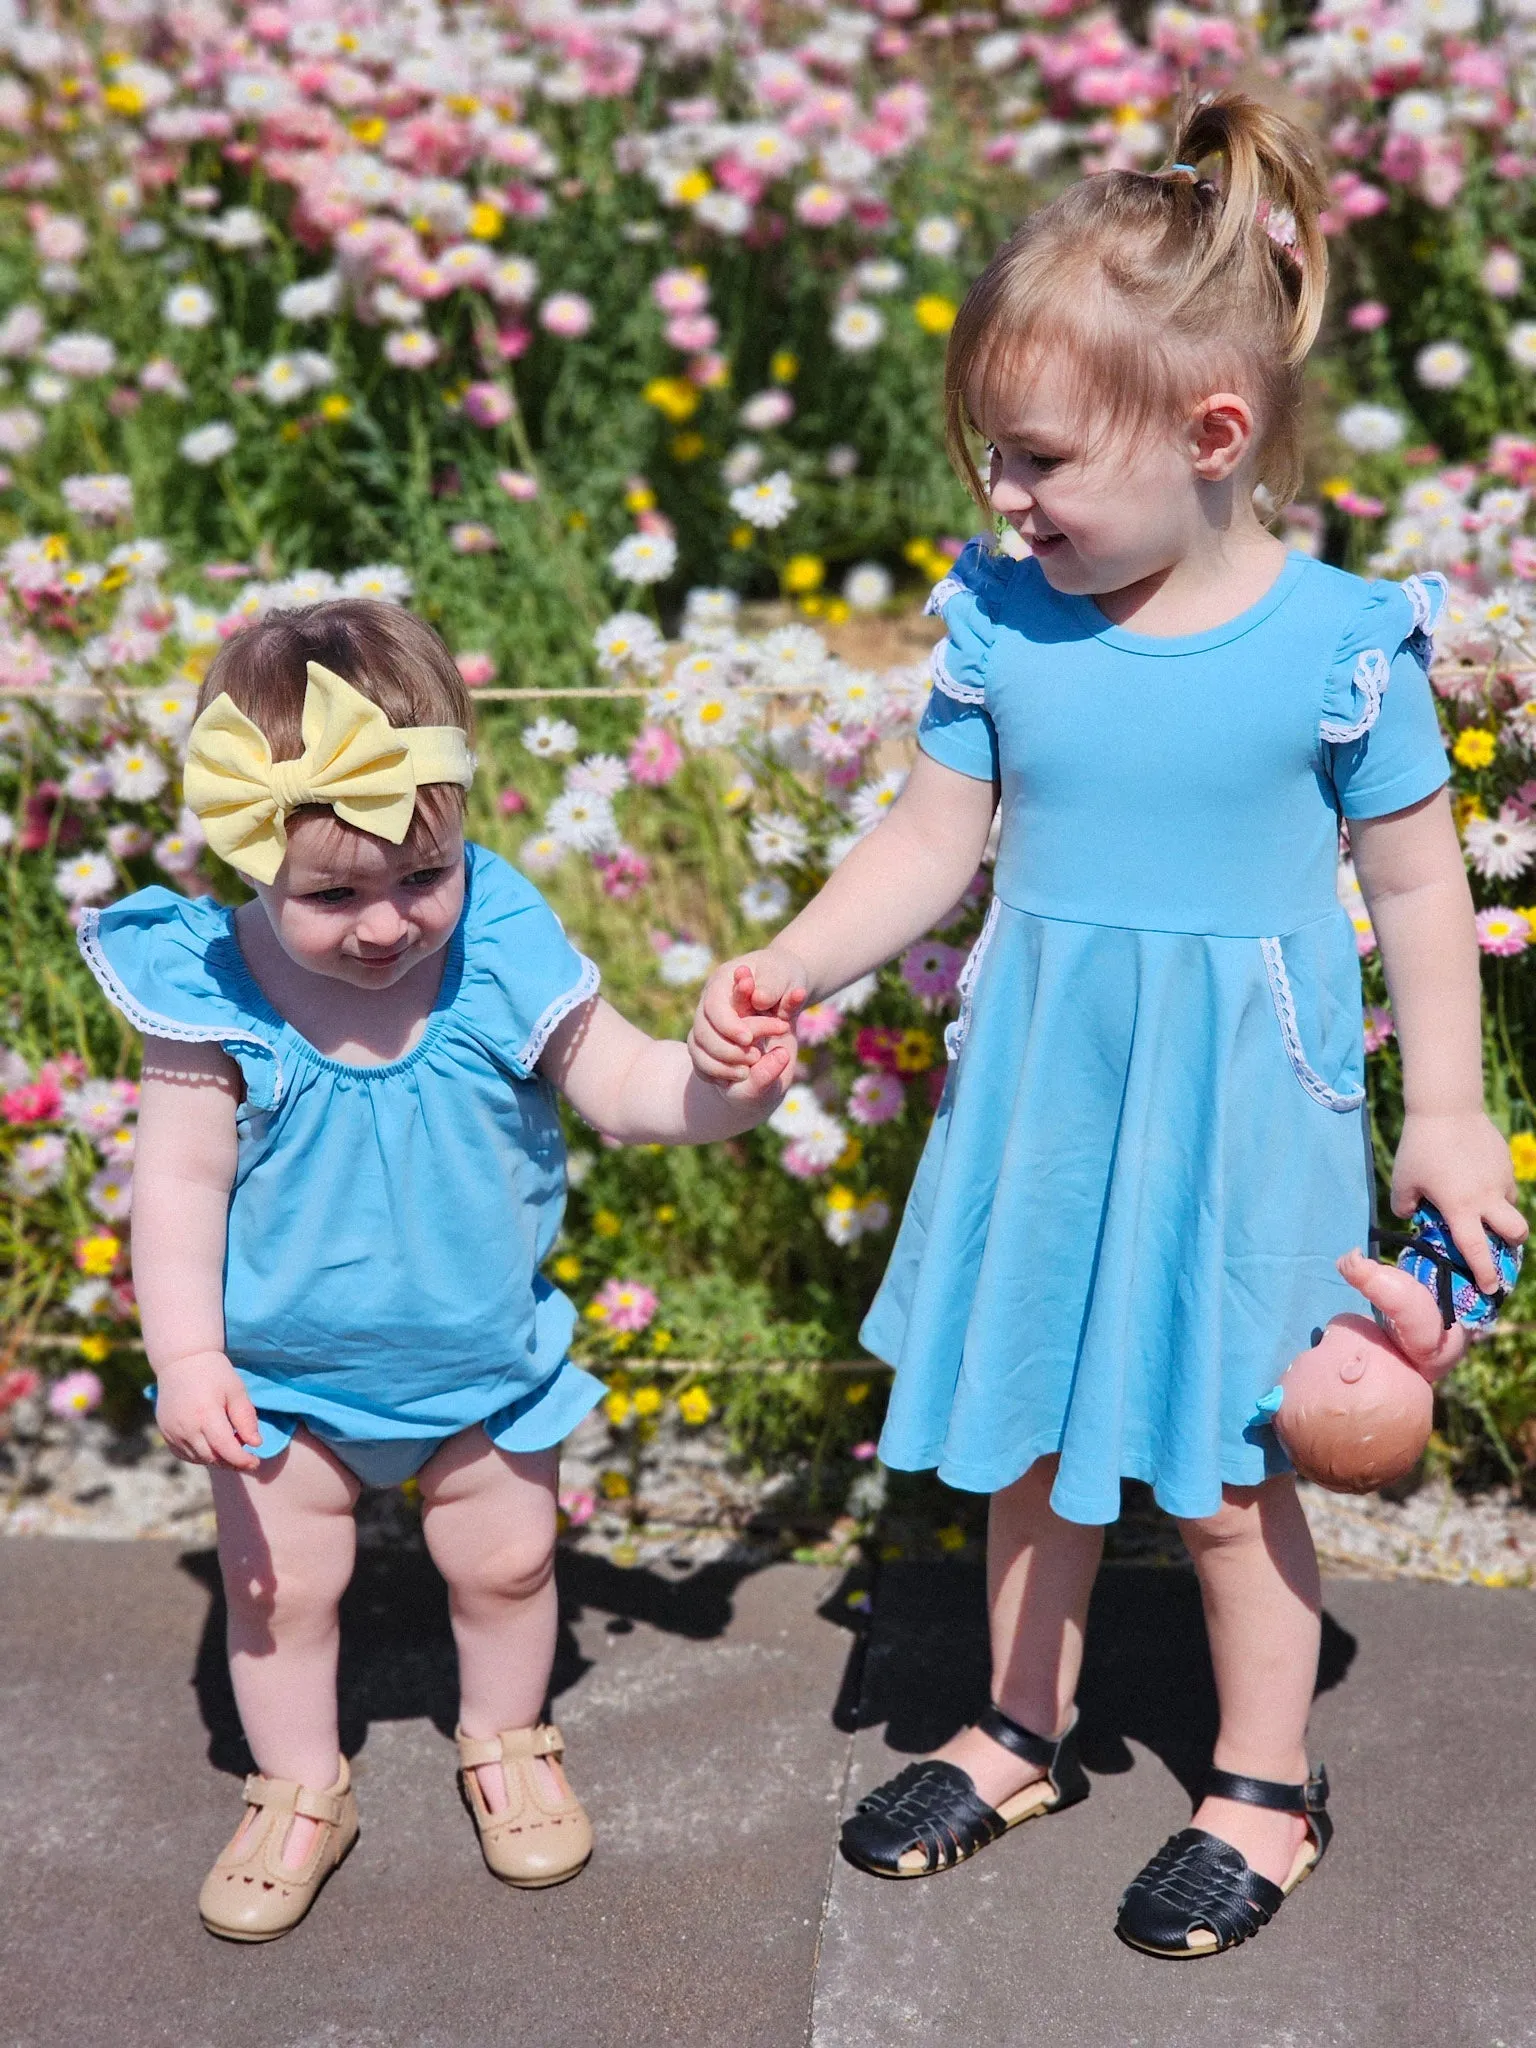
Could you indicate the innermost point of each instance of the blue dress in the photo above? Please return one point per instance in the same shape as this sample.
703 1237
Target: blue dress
1151 1147
387 1223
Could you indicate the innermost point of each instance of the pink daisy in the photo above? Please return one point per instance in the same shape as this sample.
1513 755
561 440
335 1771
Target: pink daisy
876 1098
1502 931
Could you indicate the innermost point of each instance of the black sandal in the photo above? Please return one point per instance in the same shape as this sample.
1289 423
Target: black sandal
1198 1896
930 1816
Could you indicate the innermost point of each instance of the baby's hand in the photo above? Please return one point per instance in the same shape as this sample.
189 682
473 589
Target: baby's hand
764 1085
746 1005
205 1414
1461 1164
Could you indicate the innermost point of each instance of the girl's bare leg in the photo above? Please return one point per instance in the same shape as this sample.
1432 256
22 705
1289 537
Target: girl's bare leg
287 1543
1263 1611
1040 1573
489 1519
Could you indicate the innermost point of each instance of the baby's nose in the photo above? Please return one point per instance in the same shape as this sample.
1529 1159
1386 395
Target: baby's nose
381 925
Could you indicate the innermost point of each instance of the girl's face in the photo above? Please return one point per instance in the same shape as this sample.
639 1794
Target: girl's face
1104 510
356 909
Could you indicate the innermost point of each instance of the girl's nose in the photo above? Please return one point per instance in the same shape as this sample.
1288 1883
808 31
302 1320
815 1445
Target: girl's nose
1006 493
381 925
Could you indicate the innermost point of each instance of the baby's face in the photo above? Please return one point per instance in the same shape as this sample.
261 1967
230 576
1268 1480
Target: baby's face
356 909
1100 510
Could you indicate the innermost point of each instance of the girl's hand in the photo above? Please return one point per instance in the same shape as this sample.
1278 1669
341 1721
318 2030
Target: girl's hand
765 1083
746 1004
1461 1164
205 1414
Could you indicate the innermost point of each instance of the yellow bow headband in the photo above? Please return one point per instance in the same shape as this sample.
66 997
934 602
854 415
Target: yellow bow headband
367 770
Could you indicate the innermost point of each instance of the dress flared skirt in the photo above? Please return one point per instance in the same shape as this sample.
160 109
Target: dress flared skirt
1104 1255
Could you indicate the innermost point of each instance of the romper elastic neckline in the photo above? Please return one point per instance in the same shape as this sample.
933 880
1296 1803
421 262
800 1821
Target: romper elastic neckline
1163 644
437 1017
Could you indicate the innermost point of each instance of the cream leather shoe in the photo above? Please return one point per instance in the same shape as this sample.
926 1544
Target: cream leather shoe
532 1842
251 1894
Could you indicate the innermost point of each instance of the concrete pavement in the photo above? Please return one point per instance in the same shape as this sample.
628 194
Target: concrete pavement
718 1726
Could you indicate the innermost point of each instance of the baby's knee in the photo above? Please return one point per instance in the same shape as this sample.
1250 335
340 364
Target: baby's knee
291 1594
1236 1522
513 1568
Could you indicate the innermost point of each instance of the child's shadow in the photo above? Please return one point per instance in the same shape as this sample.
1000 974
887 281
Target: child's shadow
397 1655
1146 1675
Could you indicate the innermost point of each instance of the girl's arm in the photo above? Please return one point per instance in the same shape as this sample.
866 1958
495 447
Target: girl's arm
1415 887
644 1091
184 1168
894 886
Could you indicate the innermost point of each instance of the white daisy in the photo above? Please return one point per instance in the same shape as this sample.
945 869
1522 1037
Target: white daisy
685 962
936 235
551 738
1442 365
644 558
584 823
1521 344
138 773
110 1194
766 504
628 640
867 586
778 840
188 305
381 580
541 854
87 878
312 298
1369 429
871 800
765 901
603 775
711 719
857 328
1500 848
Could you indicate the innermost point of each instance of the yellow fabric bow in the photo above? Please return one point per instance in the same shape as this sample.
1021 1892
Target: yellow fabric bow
367 770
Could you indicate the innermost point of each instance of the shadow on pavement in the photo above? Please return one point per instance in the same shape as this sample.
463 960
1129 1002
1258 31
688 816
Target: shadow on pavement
397 1654
1146 1675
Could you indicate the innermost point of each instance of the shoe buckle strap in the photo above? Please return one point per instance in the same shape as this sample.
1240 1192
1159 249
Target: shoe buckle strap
1311 1797
321 1806
478 1749
273 1795
544 1740
1023 1742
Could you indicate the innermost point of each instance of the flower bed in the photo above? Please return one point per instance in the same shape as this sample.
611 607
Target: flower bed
578 329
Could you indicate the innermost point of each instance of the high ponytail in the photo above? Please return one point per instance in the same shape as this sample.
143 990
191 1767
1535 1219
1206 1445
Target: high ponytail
1151 288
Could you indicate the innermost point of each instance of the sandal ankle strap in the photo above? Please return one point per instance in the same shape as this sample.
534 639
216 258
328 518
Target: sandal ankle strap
510 1745
287 1795
1310 1798
1013 1735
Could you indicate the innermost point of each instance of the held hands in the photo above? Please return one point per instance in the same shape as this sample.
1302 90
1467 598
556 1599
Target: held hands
205 1414
1459 1162
743 1035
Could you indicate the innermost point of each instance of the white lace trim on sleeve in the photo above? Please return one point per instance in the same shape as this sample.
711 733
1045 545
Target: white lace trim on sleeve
555 1013
1372 674
149 1022
949 685
1427 593
946 588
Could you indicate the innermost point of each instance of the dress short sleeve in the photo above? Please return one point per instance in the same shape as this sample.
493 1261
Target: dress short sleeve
171 964
522 975
957 728
1379 729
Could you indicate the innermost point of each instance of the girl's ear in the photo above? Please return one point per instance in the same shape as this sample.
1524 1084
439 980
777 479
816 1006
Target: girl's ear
1221 435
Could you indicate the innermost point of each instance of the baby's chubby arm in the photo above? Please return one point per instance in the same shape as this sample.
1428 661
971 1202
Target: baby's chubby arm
1415 887
644 1091
184 1168
894 886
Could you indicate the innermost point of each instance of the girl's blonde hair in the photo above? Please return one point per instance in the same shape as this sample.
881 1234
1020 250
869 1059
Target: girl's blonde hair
1152 289
385 652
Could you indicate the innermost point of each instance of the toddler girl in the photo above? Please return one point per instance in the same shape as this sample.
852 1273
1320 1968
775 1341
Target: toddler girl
1151 1151
349 1173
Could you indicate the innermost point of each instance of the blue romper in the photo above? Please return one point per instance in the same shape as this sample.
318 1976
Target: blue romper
1151 1147
387 1224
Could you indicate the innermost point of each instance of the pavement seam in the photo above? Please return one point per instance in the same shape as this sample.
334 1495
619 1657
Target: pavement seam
861 1653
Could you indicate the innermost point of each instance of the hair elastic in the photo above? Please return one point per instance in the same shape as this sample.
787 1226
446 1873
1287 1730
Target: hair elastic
1185 171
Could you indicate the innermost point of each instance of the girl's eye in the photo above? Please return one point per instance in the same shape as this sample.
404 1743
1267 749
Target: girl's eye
424 878
1044 463
337 895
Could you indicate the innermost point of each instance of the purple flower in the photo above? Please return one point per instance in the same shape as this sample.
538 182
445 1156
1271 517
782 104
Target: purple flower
876 1098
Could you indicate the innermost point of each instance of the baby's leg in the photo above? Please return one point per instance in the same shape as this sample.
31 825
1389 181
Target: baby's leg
489 1518
1263 1607
1040 1573
287 1543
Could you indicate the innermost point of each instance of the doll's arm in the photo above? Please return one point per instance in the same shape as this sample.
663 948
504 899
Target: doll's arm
644 1091
893 887
184 1168
1415 887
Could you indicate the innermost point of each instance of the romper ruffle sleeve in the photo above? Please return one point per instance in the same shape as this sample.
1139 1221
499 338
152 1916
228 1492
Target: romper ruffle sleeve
1379 729
522 975
957 728
171 966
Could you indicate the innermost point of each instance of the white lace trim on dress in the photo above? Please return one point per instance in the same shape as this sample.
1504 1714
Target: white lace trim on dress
955 1033
948 685
1290 1033
1373 672
149 1022
1427 593
555 1013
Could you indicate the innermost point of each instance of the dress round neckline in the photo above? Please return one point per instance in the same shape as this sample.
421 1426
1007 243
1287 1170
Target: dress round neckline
1111 635
437 1017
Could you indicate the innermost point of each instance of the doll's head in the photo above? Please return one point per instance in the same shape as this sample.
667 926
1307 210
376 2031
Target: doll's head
1356 1408
329 764
1134 354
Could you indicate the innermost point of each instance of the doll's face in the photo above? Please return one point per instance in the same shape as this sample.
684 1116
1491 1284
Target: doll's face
353 908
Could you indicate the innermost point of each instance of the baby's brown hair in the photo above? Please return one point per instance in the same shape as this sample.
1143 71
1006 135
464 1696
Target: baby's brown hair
385 652
1154 288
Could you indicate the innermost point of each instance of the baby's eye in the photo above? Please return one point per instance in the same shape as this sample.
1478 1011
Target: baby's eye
337 895
424 878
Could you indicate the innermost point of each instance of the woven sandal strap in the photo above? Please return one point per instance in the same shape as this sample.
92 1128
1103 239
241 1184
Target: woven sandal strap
1022 1741
1312 1797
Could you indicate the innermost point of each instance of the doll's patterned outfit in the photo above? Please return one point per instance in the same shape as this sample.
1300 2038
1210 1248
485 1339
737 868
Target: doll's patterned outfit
1151 1147
387 1223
